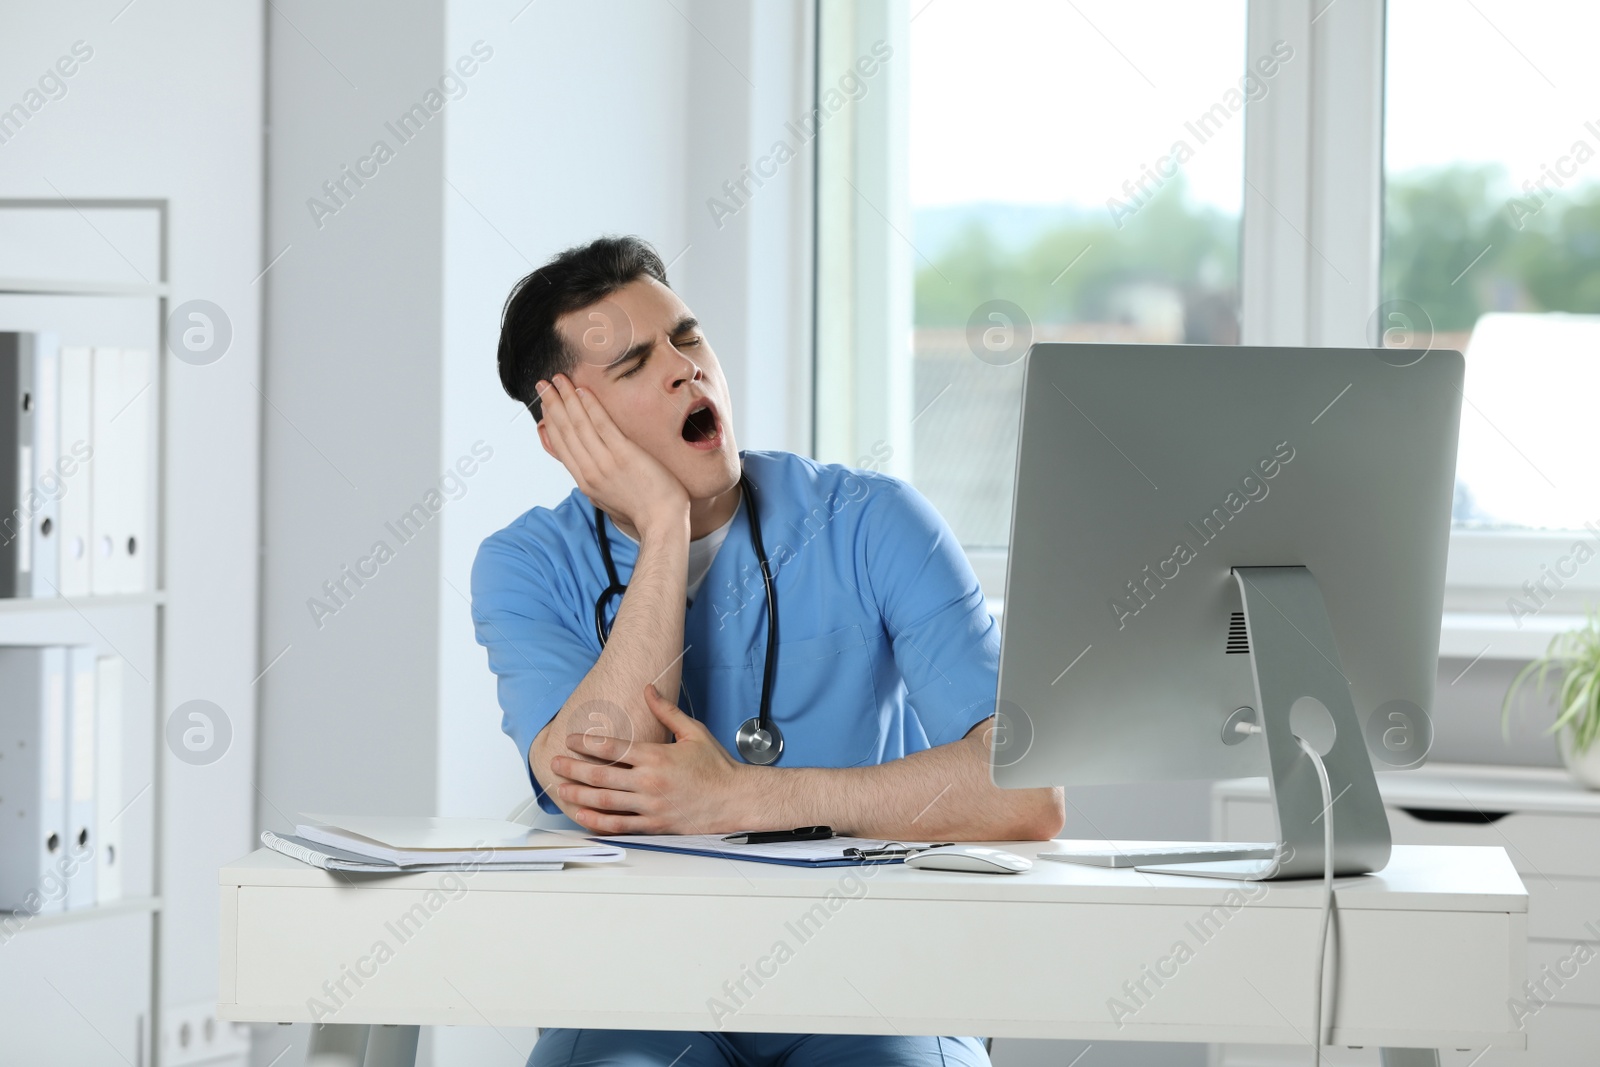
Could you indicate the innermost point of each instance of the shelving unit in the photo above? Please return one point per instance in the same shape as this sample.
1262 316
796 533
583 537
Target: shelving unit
96 965
28 607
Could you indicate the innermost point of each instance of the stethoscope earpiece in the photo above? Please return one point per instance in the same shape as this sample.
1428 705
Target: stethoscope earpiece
759 741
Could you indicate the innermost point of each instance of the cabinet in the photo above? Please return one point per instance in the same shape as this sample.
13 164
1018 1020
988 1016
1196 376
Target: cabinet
1548 825
78 986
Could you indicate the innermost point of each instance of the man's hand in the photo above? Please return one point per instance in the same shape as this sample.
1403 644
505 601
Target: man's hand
610 469
689 786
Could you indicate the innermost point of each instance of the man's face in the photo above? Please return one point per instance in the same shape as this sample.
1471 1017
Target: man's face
644 357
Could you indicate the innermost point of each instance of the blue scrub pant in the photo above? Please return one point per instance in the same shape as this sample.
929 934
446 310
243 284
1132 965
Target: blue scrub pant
673 1048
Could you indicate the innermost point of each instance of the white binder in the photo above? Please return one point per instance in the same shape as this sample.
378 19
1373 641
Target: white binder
76 451
111 464
33 807
108 790
29 481
82 837
16 467
124 399
44 503
138 411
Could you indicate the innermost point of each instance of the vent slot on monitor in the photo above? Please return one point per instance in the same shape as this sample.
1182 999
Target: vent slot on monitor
1238 636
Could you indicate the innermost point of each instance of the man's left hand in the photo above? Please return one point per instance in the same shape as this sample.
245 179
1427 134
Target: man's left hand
688 786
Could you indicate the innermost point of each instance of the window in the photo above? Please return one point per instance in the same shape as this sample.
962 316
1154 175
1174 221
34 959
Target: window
1065 174
1425 172
1491 241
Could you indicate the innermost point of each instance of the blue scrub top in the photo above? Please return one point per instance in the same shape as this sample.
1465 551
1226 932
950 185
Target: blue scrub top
885 646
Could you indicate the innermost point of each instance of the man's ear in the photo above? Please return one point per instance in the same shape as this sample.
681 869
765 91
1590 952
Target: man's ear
544 439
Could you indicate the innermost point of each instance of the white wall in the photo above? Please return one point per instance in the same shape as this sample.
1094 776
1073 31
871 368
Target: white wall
577 120
169 106
549 149
637 144
351 435
553 147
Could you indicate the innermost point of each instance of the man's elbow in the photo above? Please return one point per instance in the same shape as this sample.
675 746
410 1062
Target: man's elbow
1043 816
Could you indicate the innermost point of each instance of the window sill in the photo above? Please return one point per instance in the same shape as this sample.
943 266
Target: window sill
1464 634
1495 635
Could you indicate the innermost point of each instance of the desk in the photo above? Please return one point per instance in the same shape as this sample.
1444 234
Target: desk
1428 951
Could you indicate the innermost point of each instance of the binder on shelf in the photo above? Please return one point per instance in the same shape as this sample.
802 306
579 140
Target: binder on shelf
108 772
29 480
33 796
82 836
123 407
46 498
75 450
16 466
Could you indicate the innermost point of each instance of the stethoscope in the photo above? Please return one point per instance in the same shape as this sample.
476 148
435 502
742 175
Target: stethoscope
759 740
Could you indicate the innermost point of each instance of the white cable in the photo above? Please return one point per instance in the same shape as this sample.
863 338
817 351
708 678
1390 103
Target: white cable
1327 894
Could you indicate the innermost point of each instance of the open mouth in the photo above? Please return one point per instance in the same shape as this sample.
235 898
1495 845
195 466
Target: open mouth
700 427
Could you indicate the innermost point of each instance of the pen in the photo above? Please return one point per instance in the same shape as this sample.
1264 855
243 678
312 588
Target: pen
763 837
890 850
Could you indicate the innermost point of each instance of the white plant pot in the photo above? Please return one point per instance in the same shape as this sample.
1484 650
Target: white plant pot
1584 766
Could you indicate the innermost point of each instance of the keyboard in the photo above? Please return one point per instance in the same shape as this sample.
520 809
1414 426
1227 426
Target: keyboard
1199 852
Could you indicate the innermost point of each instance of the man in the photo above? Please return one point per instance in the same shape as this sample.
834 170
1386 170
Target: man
885 669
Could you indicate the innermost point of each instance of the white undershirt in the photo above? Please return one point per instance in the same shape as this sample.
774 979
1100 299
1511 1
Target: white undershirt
702 550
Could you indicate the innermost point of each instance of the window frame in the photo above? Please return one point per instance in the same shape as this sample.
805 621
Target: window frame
1310 261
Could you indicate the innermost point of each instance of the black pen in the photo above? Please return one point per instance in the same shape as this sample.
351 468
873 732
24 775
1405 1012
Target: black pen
764 837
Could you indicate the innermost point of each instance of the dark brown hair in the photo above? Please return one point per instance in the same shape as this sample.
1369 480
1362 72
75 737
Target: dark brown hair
531 348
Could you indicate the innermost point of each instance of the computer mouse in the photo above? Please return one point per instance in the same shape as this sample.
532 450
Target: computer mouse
979 859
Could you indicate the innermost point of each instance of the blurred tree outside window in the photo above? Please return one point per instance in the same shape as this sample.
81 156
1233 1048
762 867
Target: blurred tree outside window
1073 177
1491 240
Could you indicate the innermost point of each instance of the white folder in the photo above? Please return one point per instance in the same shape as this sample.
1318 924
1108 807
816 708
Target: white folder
16 466
76 450
29 482
111 463
44 502
33 694
82 837
124 400
138 411
108 769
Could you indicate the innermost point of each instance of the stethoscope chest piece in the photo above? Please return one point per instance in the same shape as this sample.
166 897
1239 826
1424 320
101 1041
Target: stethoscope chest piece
757 743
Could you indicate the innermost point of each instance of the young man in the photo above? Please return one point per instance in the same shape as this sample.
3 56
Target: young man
627 709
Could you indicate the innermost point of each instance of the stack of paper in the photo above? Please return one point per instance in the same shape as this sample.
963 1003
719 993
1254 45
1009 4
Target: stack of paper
411 843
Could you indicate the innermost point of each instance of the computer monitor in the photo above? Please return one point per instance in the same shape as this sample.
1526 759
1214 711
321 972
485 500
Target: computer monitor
1208 536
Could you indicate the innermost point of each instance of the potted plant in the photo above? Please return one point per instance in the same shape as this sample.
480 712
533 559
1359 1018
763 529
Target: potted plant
1576 656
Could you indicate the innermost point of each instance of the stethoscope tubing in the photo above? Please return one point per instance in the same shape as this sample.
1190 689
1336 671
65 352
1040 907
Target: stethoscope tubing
769 667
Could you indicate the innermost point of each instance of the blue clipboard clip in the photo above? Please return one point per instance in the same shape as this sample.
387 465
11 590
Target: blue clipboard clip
890 850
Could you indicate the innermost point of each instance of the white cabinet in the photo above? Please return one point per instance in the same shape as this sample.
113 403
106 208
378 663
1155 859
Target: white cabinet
77 988
1550 828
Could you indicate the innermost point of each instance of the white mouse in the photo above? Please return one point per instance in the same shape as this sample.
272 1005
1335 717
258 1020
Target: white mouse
976 858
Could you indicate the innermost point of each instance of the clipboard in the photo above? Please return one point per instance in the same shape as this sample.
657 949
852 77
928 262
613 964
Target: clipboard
830 852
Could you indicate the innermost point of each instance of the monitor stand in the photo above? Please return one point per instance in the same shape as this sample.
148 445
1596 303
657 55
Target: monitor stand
1298 675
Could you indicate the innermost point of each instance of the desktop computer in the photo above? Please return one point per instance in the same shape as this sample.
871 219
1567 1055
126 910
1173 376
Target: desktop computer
1222 560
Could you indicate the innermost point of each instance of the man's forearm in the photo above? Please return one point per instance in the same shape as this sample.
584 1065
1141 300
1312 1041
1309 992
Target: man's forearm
645 645
940 794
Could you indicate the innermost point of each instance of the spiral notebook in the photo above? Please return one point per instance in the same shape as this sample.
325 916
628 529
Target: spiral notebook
330 858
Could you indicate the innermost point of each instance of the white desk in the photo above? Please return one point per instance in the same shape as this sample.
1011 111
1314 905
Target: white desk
1429 951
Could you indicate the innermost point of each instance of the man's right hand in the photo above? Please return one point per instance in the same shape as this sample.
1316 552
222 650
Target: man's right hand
610 468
